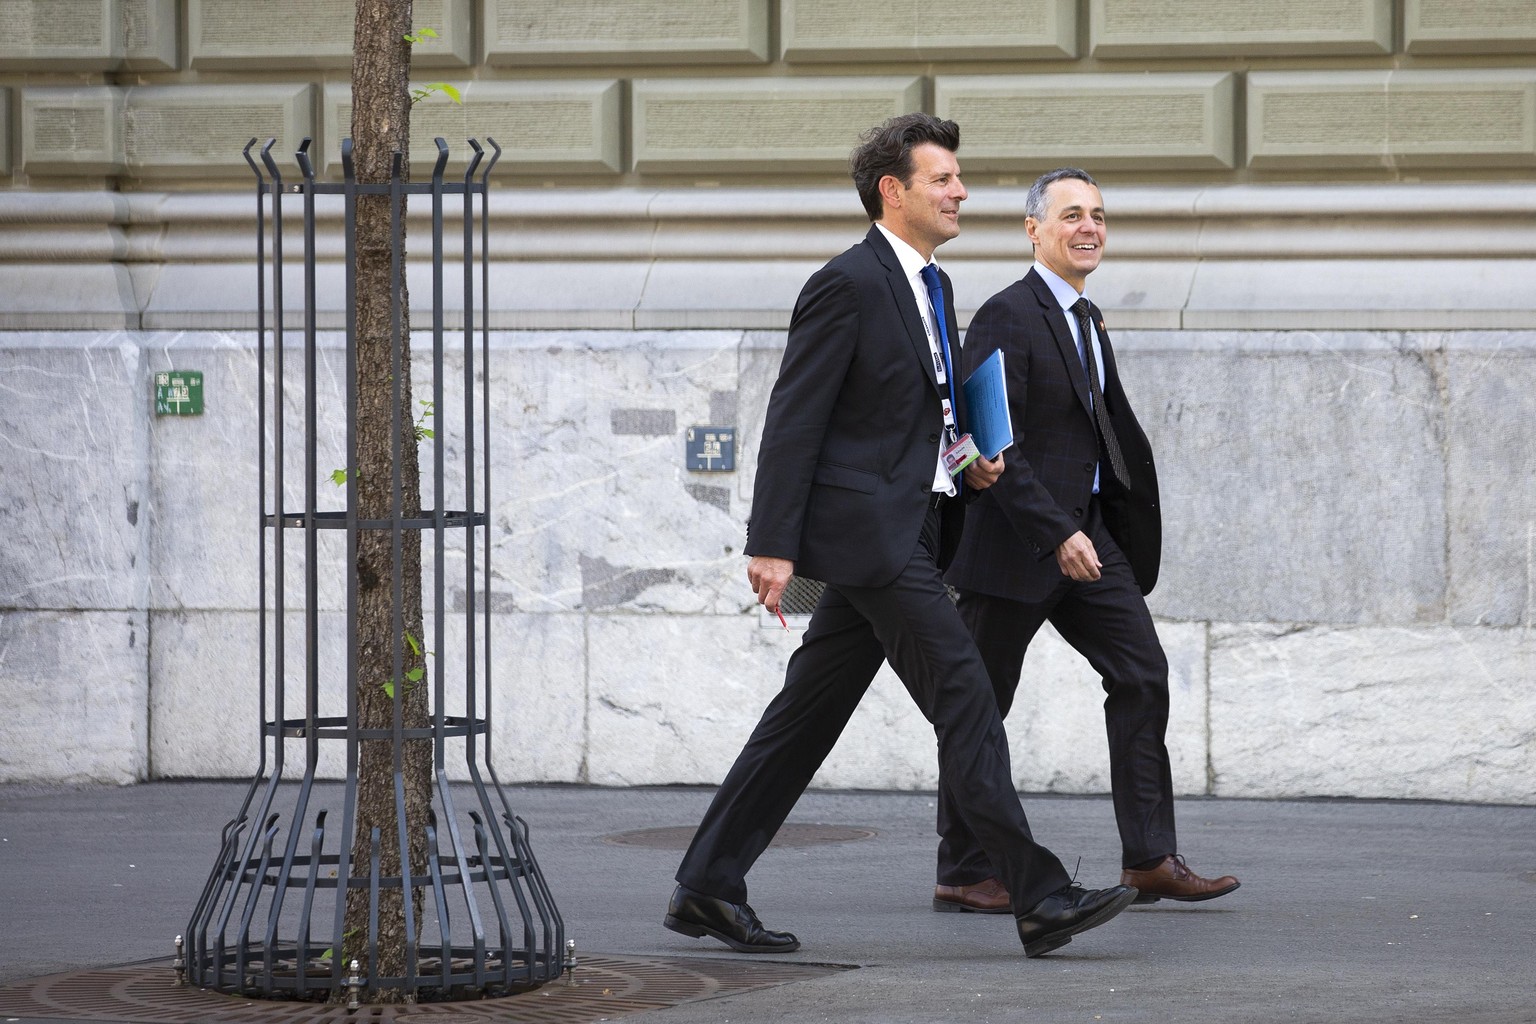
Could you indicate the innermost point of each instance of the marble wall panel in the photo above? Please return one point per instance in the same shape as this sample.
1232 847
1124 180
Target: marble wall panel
205 698
207 494
1273 454
541 697
1491 478
1435 713
74 430
1056 726
591 514
76 695
673 698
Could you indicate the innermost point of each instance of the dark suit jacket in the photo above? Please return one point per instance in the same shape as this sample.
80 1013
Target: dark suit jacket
852 435
1014 527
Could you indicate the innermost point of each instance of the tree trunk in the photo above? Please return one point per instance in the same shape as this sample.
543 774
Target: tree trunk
385 420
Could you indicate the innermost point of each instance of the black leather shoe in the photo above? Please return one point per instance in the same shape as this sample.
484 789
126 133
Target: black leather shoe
693 913
1051 923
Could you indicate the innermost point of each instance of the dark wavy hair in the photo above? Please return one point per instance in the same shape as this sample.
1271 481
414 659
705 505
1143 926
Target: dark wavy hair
887 149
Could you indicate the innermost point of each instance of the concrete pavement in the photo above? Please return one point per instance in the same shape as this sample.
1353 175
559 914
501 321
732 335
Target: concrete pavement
1349 910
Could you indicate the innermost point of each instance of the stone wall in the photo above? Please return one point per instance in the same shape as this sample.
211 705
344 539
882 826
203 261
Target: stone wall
1346 600
1321 278
133 93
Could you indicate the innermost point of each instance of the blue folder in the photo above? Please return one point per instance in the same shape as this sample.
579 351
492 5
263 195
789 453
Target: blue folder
986 400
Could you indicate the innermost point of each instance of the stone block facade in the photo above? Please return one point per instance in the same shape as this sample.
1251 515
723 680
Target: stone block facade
623 92
1321 279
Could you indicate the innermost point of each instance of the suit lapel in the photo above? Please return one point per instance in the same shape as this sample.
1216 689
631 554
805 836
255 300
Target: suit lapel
1056 320
905 299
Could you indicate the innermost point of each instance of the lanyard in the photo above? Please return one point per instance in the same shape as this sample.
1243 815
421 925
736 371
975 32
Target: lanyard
940 371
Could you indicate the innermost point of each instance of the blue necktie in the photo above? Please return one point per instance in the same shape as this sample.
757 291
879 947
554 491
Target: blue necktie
936 296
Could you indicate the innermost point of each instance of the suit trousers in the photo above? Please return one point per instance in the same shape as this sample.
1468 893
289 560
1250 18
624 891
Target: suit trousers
1107 622
913 623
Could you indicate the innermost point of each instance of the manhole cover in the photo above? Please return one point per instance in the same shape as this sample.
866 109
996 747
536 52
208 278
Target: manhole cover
601 988
677 837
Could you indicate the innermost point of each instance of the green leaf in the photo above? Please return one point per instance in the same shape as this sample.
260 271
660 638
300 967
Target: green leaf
339 477
388 686
414 644
447 90
415 674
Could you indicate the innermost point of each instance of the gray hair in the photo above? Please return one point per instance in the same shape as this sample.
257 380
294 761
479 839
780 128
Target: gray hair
1034 203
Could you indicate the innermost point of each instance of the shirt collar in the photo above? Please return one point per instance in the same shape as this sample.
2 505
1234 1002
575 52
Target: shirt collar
1065 294
912 262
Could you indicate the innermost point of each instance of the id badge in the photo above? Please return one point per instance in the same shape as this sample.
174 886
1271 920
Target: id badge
960 454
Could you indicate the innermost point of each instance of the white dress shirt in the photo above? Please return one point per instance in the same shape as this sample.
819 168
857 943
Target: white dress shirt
912 264
1067 296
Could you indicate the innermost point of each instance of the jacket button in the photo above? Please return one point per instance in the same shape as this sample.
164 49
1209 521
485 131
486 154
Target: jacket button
1077 513
933 438
1087 467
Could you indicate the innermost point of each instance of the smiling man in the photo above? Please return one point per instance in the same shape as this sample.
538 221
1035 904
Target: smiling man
1071 534
856 488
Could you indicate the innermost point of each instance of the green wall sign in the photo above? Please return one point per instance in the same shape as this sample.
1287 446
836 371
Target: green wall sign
179 393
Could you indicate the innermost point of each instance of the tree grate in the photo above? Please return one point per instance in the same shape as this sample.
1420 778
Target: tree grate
600 988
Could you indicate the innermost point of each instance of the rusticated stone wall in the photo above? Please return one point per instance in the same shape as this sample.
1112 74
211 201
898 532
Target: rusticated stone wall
623 91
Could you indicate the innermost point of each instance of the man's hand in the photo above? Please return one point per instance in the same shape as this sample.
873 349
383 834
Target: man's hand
983 472
769 577
1078 559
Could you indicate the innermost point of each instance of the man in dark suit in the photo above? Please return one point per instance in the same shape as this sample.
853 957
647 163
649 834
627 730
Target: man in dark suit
852 490
1069 534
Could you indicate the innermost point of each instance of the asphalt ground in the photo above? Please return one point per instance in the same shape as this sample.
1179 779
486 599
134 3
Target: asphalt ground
1349 910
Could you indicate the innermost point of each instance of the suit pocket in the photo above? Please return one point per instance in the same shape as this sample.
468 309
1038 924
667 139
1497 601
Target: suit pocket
832 475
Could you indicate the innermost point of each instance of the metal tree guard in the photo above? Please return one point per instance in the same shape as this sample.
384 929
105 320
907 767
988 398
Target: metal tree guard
269 920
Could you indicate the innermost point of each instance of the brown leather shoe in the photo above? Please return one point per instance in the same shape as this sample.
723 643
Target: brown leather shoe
985 897
1172 880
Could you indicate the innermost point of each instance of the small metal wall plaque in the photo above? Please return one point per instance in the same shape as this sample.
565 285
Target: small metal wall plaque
711 449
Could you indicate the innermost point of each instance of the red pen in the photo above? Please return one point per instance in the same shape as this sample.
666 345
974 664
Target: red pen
781 619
